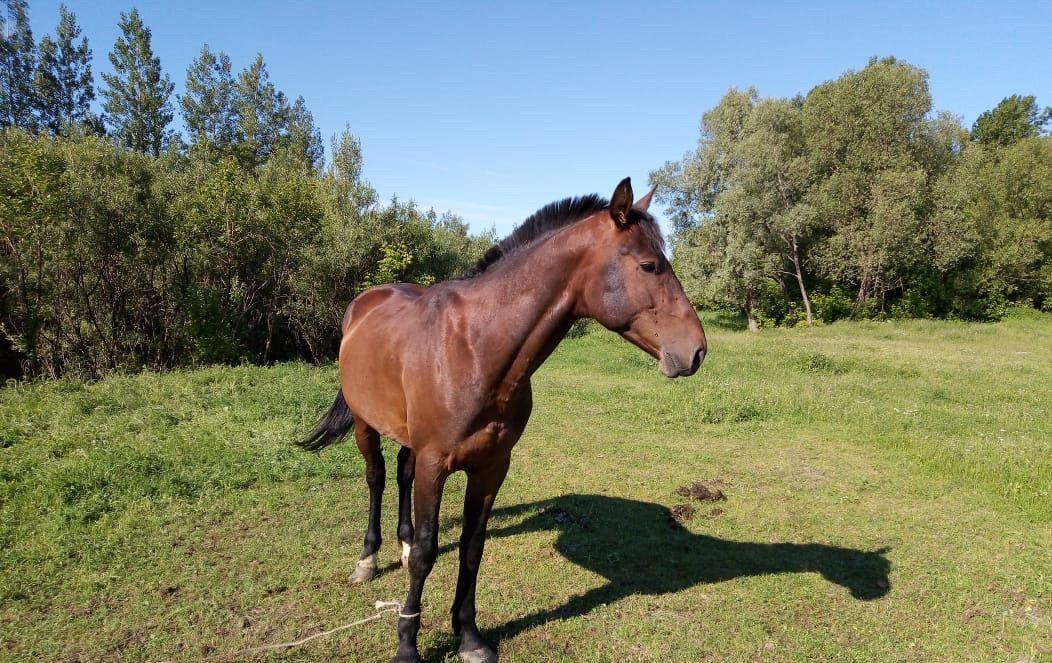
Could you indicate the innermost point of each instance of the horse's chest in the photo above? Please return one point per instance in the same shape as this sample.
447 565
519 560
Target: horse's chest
491 441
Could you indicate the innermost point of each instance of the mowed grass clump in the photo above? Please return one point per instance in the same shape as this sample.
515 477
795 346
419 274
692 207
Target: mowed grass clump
887 498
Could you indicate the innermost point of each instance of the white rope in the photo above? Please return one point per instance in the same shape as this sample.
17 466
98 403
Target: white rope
381 608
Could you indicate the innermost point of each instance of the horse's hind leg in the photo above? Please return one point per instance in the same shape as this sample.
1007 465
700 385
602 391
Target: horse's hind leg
368 440
406 470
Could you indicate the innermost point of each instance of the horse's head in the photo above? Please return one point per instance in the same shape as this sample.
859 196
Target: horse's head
631 288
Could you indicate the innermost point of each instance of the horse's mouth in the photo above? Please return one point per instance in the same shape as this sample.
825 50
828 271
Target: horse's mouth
671 367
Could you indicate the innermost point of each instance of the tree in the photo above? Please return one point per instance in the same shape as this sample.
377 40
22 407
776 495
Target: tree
304 137
691 186
210 103
137 93
18 53
992 228
772 177
722 263
720 259
351 195
268 123
63 82
861 131
262 113
1015 118
744 192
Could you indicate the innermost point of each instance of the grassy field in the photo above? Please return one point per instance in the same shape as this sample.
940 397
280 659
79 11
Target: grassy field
888 499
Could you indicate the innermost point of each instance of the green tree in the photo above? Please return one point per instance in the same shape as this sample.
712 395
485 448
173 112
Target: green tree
63 82
18 56
304 137
772 178
690 187
88 255
992 228
267 122
861 131
745 191
137 93
1015 118
209 104
262 113
351 194
720 252
722 263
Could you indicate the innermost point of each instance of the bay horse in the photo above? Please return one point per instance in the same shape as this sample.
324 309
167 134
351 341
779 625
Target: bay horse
445 372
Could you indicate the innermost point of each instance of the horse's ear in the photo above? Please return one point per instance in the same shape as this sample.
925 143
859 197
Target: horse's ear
643 204
621 202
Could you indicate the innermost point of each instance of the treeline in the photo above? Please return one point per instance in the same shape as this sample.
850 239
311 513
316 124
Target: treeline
856 201
124 245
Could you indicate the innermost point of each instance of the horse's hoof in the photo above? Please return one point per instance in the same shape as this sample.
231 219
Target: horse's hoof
407 658
405 554
365 570
478 655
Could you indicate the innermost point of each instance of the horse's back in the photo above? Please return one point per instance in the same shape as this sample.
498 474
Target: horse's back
379 297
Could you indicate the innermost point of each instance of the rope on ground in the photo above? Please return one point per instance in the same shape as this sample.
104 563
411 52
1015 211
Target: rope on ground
381 608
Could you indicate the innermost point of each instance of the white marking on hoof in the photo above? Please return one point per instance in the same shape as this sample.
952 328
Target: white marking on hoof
365 569
480 655
405 554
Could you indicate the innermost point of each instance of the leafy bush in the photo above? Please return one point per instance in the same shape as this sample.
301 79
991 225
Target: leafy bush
114 260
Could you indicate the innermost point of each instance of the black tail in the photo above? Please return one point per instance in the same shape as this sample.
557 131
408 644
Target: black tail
332 428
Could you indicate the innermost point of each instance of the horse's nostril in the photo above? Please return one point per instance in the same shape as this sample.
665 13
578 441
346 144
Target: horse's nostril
699 357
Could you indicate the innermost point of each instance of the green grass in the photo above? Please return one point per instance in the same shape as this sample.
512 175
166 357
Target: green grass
888 500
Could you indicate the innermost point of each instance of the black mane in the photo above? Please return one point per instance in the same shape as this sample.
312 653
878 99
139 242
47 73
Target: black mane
549 218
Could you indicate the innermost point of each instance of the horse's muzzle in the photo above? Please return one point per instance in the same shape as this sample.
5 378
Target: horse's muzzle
672 366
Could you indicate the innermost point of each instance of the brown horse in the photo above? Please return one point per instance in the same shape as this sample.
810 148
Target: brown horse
445 371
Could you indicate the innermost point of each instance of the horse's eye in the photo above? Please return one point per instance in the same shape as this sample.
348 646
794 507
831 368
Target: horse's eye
648 267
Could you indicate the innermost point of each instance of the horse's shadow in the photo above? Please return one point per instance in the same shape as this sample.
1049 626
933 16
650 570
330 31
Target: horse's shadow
639 549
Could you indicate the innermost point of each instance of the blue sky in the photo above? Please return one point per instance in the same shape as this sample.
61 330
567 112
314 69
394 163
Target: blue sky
493 109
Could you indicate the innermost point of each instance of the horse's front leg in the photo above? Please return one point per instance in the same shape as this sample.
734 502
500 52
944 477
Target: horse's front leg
427 497
481 491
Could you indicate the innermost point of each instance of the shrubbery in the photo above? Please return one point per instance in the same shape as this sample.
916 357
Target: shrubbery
119 260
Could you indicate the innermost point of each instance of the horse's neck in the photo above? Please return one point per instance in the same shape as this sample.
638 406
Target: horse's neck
532 322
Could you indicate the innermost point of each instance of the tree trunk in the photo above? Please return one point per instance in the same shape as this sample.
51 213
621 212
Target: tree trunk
800 280
750 313
270 335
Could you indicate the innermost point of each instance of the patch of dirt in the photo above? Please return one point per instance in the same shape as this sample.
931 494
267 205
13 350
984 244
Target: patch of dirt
974 611
681 513
168 590
1024 609
277 589
714 514
128 639
704 491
